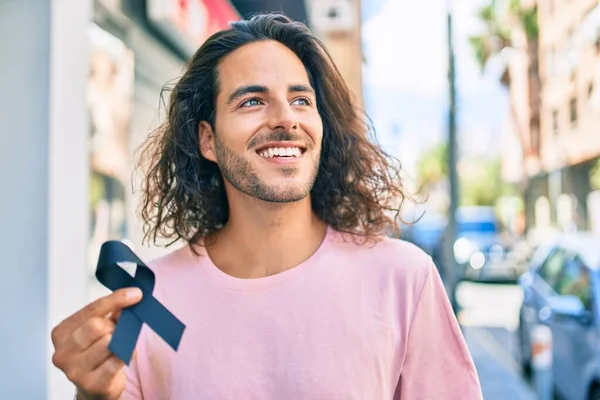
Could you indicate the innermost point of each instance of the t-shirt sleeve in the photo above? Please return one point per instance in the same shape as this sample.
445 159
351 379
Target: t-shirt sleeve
437 363
132 387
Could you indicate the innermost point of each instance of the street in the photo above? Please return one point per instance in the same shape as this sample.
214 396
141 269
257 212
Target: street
489 316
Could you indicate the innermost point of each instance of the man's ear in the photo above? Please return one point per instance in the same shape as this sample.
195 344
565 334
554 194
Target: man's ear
207 141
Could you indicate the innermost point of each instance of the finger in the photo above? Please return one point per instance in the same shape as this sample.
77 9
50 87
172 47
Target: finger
117 300
84 363
108 370
90 331
107 379
114 316
96 354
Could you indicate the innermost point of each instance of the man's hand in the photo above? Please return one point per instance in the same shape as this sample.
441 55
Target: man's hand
81 346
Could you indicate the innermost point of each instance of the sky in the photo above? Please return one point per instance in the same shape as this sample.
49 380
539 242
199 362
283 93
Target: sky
405 78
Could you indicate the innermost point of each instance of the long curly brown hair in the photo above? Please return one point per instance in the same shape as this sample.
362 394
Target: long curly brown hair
358 189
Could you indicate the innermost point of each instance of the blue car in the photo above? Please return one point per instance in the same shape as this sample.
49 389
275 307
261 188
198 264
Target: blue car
562 291
479 249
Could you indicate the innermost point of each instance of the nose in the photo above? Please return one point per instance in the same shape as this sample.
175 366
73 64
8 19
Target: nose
282 117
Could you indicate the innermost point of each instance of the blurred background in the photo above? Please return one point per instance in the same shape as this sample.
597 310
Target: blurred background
493 107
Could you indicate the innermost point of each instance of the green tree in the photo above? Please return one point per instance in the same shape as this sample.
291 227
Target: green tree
499 18
480 178
481 182
494 37
595 176
432 166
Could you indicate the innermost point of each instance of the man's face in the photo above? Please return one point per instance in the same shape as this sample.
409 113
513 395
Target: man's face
268 131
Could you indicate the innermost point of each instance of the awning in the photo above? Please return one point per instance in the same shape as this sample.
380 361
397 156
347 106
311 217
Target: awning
188 23
295 9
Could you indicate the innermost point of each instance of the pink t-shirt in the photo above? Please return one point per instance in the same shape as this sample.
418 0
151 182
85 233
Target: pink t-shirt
352 322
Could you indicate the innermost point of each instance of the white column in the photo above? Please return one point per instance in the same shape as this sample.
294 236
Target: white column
44 173
68 171
24 79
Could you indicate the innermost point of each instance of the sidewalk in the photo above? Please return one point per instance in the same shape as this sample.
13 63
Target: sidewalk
498 372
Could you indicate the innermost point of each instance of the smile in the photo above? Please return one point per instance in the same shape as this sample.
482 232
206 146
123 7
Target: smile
281 152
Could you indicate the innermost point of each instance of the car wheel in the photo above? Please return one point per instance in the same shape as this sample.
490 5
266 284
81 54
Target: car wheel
595 393
524 352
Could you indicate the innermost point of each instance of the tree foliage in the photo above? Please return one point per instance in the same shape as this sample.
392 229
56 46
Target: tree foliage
595 176
499 17
432 167
480 180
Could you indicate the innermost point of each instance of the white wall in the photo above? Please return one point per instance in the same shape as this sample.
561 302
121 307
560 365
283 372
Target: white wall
44 174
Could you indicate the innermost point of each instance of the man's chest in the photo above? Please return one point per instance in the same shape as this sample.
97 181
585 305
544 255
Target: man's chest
253 349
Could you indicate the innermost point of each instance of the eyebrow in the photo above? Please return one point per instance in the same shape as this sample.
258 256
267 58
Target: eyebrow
248 89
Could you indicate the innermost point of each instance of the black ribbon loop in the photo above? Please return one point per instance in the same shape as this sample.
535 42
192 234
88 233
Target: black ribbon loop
148 310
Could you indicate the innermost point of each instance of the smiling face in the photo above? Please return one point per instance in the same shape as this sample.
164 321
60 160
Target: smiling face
267 132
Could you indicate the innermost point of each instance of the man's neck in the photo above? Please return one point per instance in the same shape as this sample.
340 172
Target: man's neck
262 239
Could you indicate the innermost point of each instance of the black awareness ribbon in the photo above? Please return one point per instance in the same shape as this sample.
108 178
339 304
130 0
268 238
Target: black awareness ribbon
149 310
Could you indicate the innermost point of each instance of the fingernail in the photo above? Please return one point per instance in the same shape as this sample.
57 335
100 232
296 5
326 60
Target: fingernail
133 293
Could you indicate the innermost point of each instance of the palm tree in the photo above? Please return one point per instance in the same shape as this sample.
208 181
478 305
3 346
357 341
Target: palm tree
494 38
501 18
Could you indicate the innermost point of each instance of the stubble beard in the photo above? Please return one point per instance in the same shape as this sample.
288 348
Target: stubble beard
238 171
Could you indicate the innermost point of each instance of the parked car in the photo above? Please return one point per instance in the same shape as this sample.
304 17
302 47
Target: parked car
562 290
480 249
426 232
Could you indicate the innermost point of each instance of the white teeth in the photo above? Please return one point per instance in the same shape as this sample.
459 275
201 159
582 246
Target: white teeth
281 152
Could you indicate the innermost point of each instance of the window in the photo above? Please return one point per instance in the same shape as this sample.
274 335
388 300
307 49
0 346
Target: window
575 280
535 139
573 110
551 62
555 123
552 266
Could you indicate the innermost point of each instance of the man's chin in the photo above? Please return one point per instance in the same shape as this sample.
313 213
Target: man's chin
285 193
283 196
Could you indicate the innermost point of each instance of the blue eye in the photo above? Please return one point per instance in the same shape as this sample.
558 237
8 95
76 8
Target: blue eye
304 101
251 103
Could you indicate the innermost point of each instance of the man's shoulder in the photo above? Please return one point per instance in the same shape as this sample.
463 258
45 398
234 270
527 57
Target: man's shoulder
401 249
389 255
176 267
169 259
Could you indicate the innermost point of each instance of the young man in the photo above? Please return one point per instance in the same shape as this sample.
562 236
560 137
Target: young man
264 167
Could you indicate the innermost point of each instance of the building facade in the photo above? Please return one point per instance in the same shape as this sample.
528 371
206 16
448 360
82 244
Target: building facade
569 140
338 24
